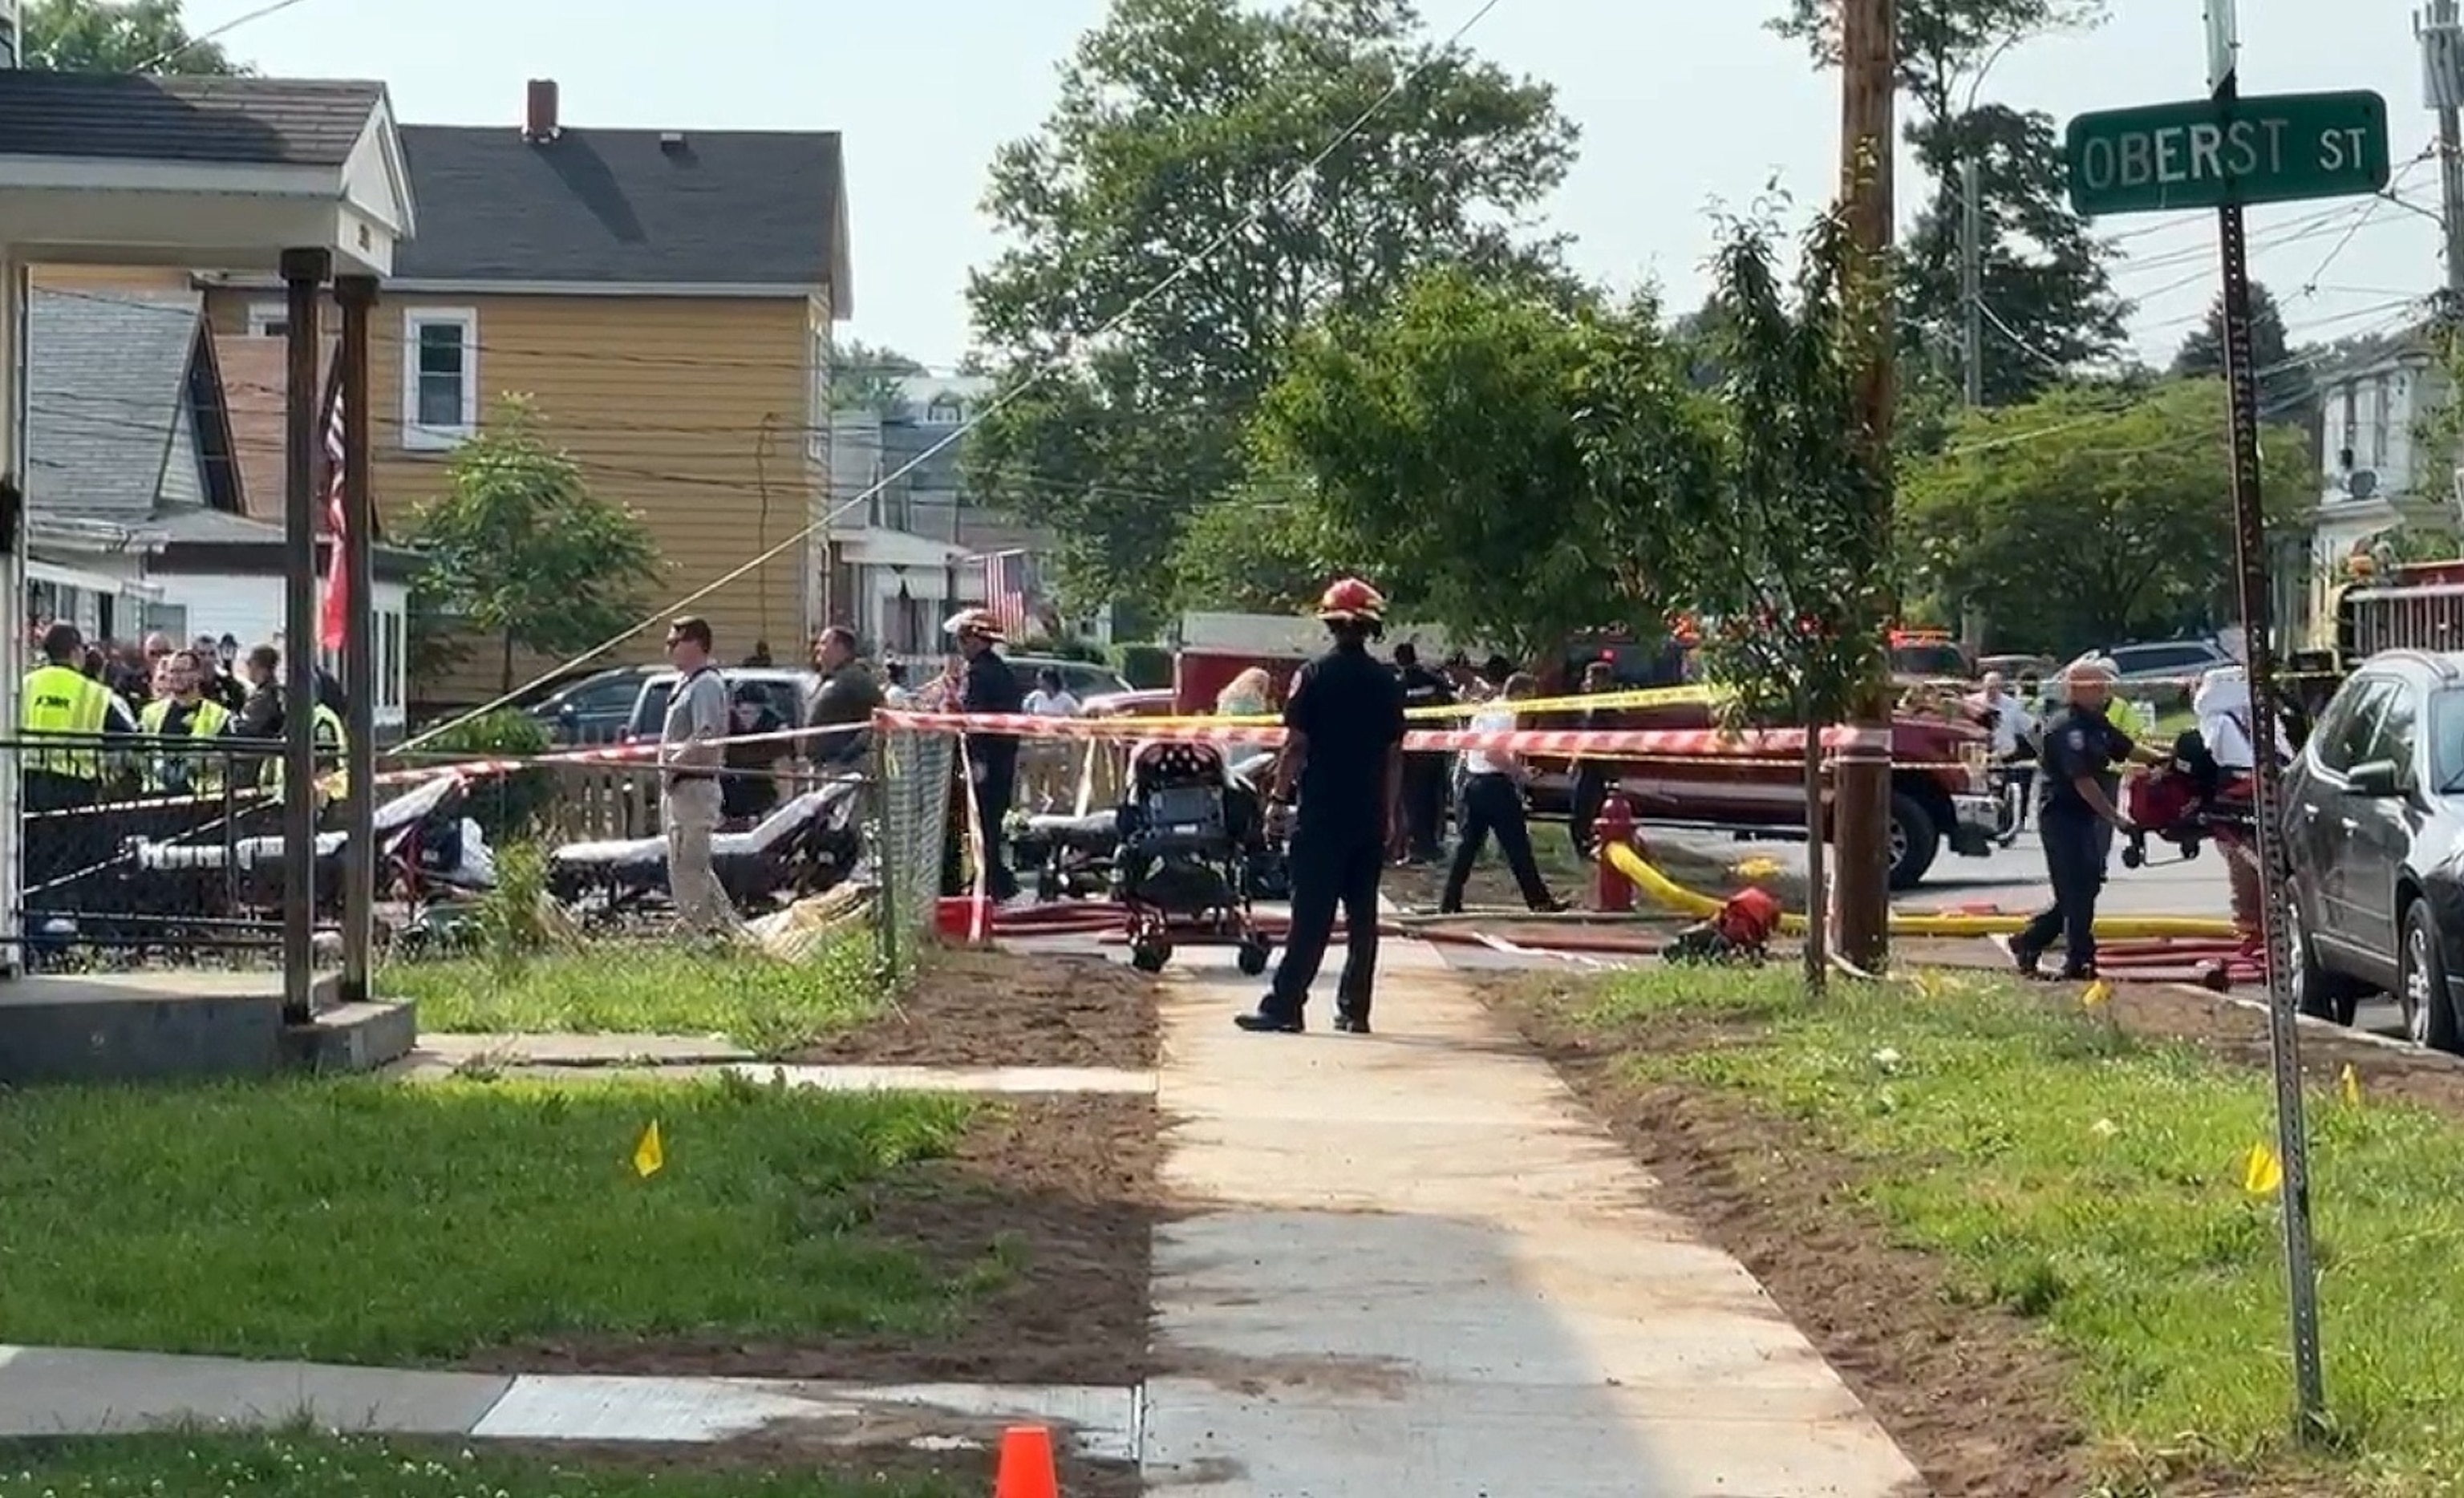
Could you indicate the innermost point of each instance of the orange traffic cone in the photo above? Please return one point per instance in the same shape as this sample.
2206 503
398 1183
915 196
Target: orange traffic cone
1027 1467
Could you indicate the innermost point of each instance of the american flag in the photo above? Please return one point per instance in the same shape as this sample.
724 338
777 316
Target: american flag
332 616
1008 584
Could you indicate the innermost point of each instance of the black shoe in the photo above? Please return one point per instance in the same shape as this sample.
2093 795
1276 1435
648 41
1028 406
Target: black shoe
2026 959
1351 1024
1553 905
2086 973
1262 1020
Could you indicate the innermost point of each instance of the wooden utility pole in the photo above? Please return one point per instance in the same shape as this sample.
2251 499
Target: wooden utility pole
1861 811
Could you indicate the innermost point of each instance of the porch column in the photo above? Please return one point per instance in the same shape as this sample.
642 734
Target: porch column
13 583
304 273
357 294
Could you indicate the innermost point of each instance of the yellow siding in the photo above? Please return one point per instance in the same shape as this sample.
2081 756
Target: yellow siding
690 410
108 277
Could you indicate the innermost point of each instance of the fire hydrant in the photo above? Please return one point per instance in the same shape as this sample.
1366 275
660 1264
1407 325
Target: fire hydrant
1613 828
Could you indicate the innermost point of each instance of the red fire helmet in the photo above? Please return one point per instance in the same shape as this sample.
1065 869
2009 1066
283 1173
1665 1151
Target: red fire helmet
1351 599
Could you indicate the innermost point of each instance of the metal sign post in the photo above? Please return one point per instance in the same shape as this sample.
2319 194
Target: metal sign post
2250 551
2226 152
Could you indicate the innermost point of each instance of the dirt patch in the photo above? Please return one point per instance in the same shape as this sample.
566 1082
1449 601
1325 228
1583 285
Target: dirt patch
1061 1190
2224 1030
969 1008
1975 1399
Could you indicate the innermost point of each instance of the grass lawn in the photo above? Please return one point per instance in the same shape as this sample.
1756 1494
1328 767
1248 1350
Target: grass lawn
2095 1185
759 1002
303 1466
372 1223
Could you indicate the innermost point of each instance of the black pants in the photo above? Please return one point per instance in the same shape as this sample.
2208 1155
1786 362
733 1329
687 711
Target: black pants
1588 794
1332 867
1494 804
2075 848
56 846
1424 804
992 795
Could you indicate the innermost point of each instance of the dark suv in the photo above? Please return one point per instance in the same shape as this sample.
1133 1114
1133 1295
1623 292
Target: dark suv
2374 826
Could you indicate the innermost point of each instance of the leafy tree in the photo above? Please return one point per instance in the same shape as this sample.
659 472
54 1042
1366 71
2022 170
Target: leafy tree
518 550
118 36
1789 571
1158 238
866 378
2287 390
1453 441
2075 520
2045 277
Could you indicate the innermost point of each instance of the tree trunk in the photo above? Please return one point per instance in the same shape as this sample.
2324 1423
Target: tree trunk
1818 894
505 665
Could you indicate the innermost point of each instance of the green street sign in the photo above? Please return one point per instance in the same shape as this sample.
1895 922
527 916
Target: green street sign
2208 153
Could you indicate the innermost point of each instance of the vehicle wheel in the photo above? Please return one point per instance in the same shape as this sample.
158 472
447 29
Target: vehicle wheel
2317 992
1149 957
2421 989
1252 956
1914 841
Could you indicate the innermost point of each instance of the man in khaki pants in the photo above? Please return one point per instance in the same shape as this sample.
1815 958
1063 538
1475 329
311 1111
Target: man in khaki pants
692 755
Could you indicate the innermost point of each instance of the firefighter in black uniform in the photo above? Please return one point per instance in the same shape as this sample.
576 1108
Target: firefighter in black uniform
1343 750
1425 774
2077 816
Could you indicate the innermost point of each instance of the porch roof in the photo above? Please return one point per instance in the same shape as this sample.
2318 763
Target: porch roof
205 173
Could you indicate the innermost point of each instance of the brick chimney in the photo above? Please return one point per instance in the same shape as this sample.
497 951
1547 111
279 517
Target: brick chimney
542 123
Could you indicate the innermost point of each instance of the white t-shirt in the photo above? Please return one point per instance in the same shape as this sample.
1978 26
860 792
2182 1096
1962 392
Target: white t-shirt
2012 722
1481 762
1052 704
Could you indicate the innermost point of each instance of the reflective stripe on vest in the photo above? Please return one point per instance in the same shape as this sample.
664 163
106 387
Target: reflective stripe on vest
326 727
200 772
58 700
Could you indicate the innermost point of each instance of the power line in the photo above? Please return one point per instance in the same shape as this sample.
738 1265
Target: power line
157 62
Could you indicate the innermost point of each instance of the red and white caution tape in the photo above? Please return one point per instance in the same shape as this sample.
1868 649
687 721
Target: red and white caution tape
1584 742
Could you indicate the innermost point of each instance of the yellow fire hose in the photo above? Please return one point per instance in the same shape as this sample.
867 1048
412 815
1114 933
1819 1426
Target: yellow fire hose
1667 892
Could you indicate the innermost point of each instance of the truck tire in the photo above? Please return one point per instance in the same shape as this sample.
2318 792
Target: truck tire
1916 838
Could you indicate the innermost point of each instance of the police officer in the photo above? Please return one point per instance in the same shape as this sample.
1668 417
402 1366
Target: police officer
59 701
1425 774
2075 818
1343 750
986 685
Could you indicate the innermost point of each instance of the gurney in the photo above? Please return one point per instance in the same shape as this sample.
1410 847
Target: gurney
808 844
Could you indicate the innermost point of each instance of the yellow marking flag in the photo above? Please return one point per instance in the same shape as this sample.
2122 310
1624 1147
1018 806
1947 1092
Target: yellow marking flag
2097 995
2261 1172
2350 1084
650 1156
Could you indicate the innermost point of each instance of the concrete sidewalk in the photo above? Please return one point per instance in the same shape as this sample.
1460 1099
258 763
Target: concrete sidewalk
1431 1272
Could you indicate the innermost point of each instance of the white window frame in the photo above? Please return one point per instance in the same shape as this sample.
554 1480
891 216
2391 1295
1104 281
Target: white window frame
817 433
417 437
264 316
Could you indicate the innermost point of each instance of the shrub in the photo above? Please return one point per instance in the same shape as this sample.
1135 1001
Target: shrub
1145 666
506 806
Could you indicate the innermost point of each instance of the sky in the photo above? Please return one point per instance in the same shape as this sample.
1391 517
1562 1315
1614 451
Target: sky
1682 104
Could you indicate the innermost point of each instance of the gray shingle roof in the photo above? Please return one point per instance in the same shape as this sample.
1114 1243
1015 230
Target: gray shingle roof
105 377
732 207
256 122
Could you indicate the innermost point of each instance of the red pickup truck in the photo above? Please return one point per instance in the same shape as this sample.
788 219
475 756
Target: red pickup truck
1938 778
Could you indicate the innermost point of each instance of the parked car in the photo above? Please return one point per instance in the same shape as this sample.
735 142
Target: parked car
2012 668
597 709
1085 680
2373 821
2163 673
788 691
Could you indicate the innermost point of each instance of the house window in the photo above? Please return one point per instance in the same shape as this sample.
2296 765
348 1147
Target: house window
946 412
389 658
2378 424
268 319
440 378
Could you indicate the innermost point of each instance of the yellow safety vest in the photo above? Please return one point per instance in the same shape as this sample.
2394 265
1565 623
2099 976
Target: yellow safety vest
58 700
333 775
206 719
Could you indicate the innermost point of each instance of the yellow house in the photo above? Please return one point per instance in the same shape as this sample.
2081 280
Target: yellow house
665 299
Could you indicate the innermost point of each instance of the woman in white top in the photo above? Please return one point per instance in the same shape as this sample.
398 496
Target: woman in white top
1492 802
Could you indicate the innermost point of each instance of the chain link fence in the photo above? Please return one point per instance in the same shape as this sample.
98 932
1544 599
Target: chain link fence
907 832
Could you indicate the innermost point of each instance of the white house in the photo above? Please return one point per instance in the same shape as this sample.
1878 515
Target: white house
2375 477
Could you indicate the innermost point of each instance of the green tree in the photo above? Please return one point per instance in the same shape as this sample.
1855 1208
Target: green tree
518 549
2045 278
866 377
1158 238
2287 390
1473 444
2075 521
1788 570
118 36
